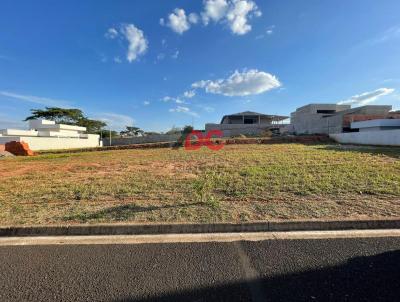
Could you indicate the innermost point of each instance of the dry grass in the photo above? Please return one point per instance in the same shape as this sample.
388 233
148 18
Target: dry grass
238 183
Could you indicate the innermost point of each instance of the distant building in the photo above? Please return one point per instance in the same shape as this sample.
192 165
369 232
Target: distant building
333 118
377 125
248 123
384 132
47 135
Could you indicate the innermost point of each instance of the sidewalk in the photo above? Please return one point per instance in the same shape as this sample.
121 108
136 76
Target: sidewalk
152 229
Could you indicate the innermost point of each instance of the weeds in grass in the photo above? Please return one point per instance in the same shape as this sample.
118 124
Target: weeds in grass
240 182
204 188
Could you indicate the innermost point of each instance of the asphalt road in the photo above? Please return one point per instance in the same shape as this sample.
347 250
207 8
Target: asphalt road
271 270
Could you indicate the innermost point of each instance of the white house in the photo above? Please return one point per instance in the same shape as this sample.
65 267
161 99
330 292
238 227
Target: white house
47 135
385 132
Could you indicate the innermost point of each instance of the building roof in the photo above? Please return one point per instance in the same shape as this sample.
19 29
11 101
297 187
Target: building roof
252 113
247 113
323 106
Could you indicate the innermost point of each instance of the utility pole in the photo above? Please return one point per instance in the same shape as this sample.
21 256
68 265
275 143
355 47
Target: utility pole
110 136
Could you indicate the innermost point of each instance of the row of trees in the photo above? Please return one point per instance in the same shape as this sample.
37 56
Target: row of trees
68 117
76 117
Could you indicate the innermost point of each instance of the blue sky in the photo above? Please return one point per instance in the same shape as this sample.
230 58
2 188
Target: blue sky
157 64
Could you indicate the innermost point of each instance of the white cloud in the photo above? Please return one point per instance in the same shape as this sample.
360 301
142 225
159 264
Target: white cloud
241 83
390 33
206 108
138 44
238 14
189 94
103 58
214 10
367 97
389 80
182 109
36 99
178 21
235 13
193 18
172 99
114 121
146 103
111 33
269 31
179 109
167 99
175 55
386 36
160 56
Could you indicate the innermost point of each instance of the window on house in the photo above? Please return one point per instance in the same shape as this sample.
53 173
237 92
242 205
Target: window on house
326 111
250 120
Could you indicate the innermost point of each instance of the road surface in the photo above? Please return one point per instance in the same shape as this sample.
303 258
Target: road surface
352 269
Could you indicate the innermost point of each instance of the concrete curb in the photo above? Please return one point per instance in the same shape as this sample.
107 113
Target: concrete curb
152 229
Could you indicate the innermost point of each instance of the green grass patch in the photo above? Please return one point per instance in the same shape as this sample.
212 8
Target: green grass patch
238 183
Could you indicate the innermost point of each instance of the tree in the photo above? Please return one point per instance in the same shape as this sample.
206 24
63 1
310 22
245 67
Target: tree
187 129
67 116
59 115
174 130
184 133
132 131
92 126
149 133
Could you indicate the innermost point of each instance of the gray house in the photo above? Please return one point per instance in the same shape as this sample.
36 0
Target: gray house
333 118
248 122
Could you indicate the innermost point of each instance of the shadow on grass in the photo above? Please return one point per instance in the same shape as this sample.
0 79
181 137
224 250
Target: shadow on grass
123 212
393 152
368 278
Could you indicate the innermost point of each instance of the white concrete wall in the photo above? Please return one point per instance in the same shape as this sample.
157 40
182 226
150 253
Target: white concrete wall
54 143
157 138
376 123
47 125
383 138
6 139
17 132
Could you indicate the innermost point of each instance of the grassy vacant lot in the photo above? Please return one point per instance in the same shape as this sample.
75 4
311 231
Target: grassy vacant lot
238 183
